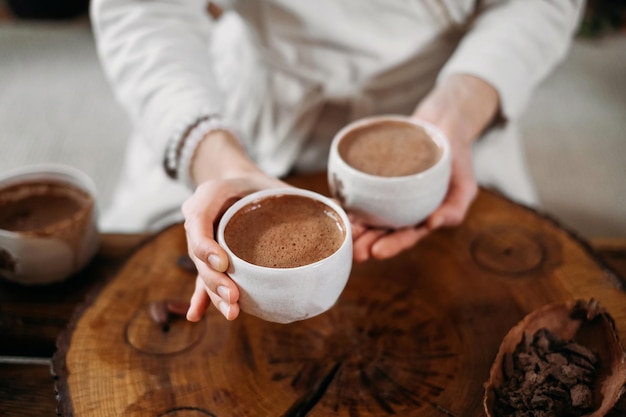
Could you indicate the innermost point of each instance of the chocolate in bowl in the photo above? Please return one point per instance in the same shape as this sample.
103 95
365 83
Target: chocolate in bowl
580 323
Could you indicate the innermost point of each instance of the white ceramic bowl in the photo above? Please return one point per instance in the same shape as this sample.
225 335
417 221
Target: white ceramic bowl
52 255
284 295
392 202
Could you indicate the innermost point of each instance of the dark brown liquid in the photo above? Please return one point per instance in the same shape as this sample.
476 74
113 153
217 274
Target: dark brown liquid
389 149
31 207
284 232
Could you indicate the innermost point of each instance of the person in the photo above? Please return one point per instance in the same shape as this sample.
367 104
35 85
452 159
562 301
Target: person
229 102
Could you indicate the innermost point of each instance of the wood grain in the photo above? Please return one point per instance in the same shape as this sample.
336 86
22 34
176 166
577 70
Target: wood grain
613 252
413 335
26 390
32 317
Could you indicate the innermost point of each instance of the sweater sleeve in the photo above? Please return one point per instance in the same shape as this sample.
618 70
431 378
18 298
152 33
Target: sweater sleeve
155 55
514 44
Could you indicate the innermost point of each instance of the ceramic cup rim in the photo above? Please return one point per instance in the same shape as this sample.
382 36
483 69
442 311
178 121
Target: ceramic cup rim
440 139
260 195
68 175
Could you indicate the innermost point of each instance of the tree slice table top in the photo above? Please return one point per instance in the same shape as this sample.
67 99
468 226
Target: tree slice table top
412 335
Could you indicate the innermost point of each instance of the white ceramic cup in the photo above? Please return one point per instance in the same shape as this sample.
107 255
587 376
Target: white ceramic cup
391 202
285 295
59 250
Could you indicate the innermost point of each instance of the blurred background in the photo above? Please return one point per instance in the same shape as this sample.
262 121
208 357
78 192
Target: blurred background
56 106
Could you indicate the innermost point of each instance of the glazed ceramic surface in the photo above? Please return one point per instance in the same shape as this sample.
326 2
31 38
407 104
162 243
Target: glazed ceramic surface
390 201
285 295
54 253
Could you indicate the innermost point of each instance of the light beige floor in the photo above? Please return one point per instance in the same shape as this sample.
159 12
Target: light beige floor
55 106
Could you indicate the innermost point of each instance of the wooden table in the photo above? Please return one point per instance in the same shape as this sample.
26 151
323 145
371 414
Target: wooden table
535 249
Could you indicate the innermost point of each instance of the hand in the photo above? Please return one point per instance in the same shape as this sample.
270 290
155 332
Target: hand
463 106
225 174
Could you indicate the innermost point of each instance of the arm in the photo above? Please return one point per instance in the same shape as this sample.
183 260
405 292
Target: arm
224 173
462 107
509 49
155 54
513 45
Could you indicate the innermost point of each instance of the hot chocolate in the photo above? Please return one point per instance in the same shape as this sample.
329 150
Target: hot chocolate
389 149
48 223
284 231
30 207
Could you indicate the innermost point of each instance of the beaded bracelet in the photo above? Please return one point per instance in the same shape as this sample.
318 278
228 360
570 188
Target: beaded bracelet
191 142
177 139
182 147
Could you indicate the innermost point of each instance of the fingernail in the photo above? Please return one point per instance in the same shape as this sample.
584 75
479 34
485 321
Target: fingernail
192 316
214 261
224 308
189 317
224 293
